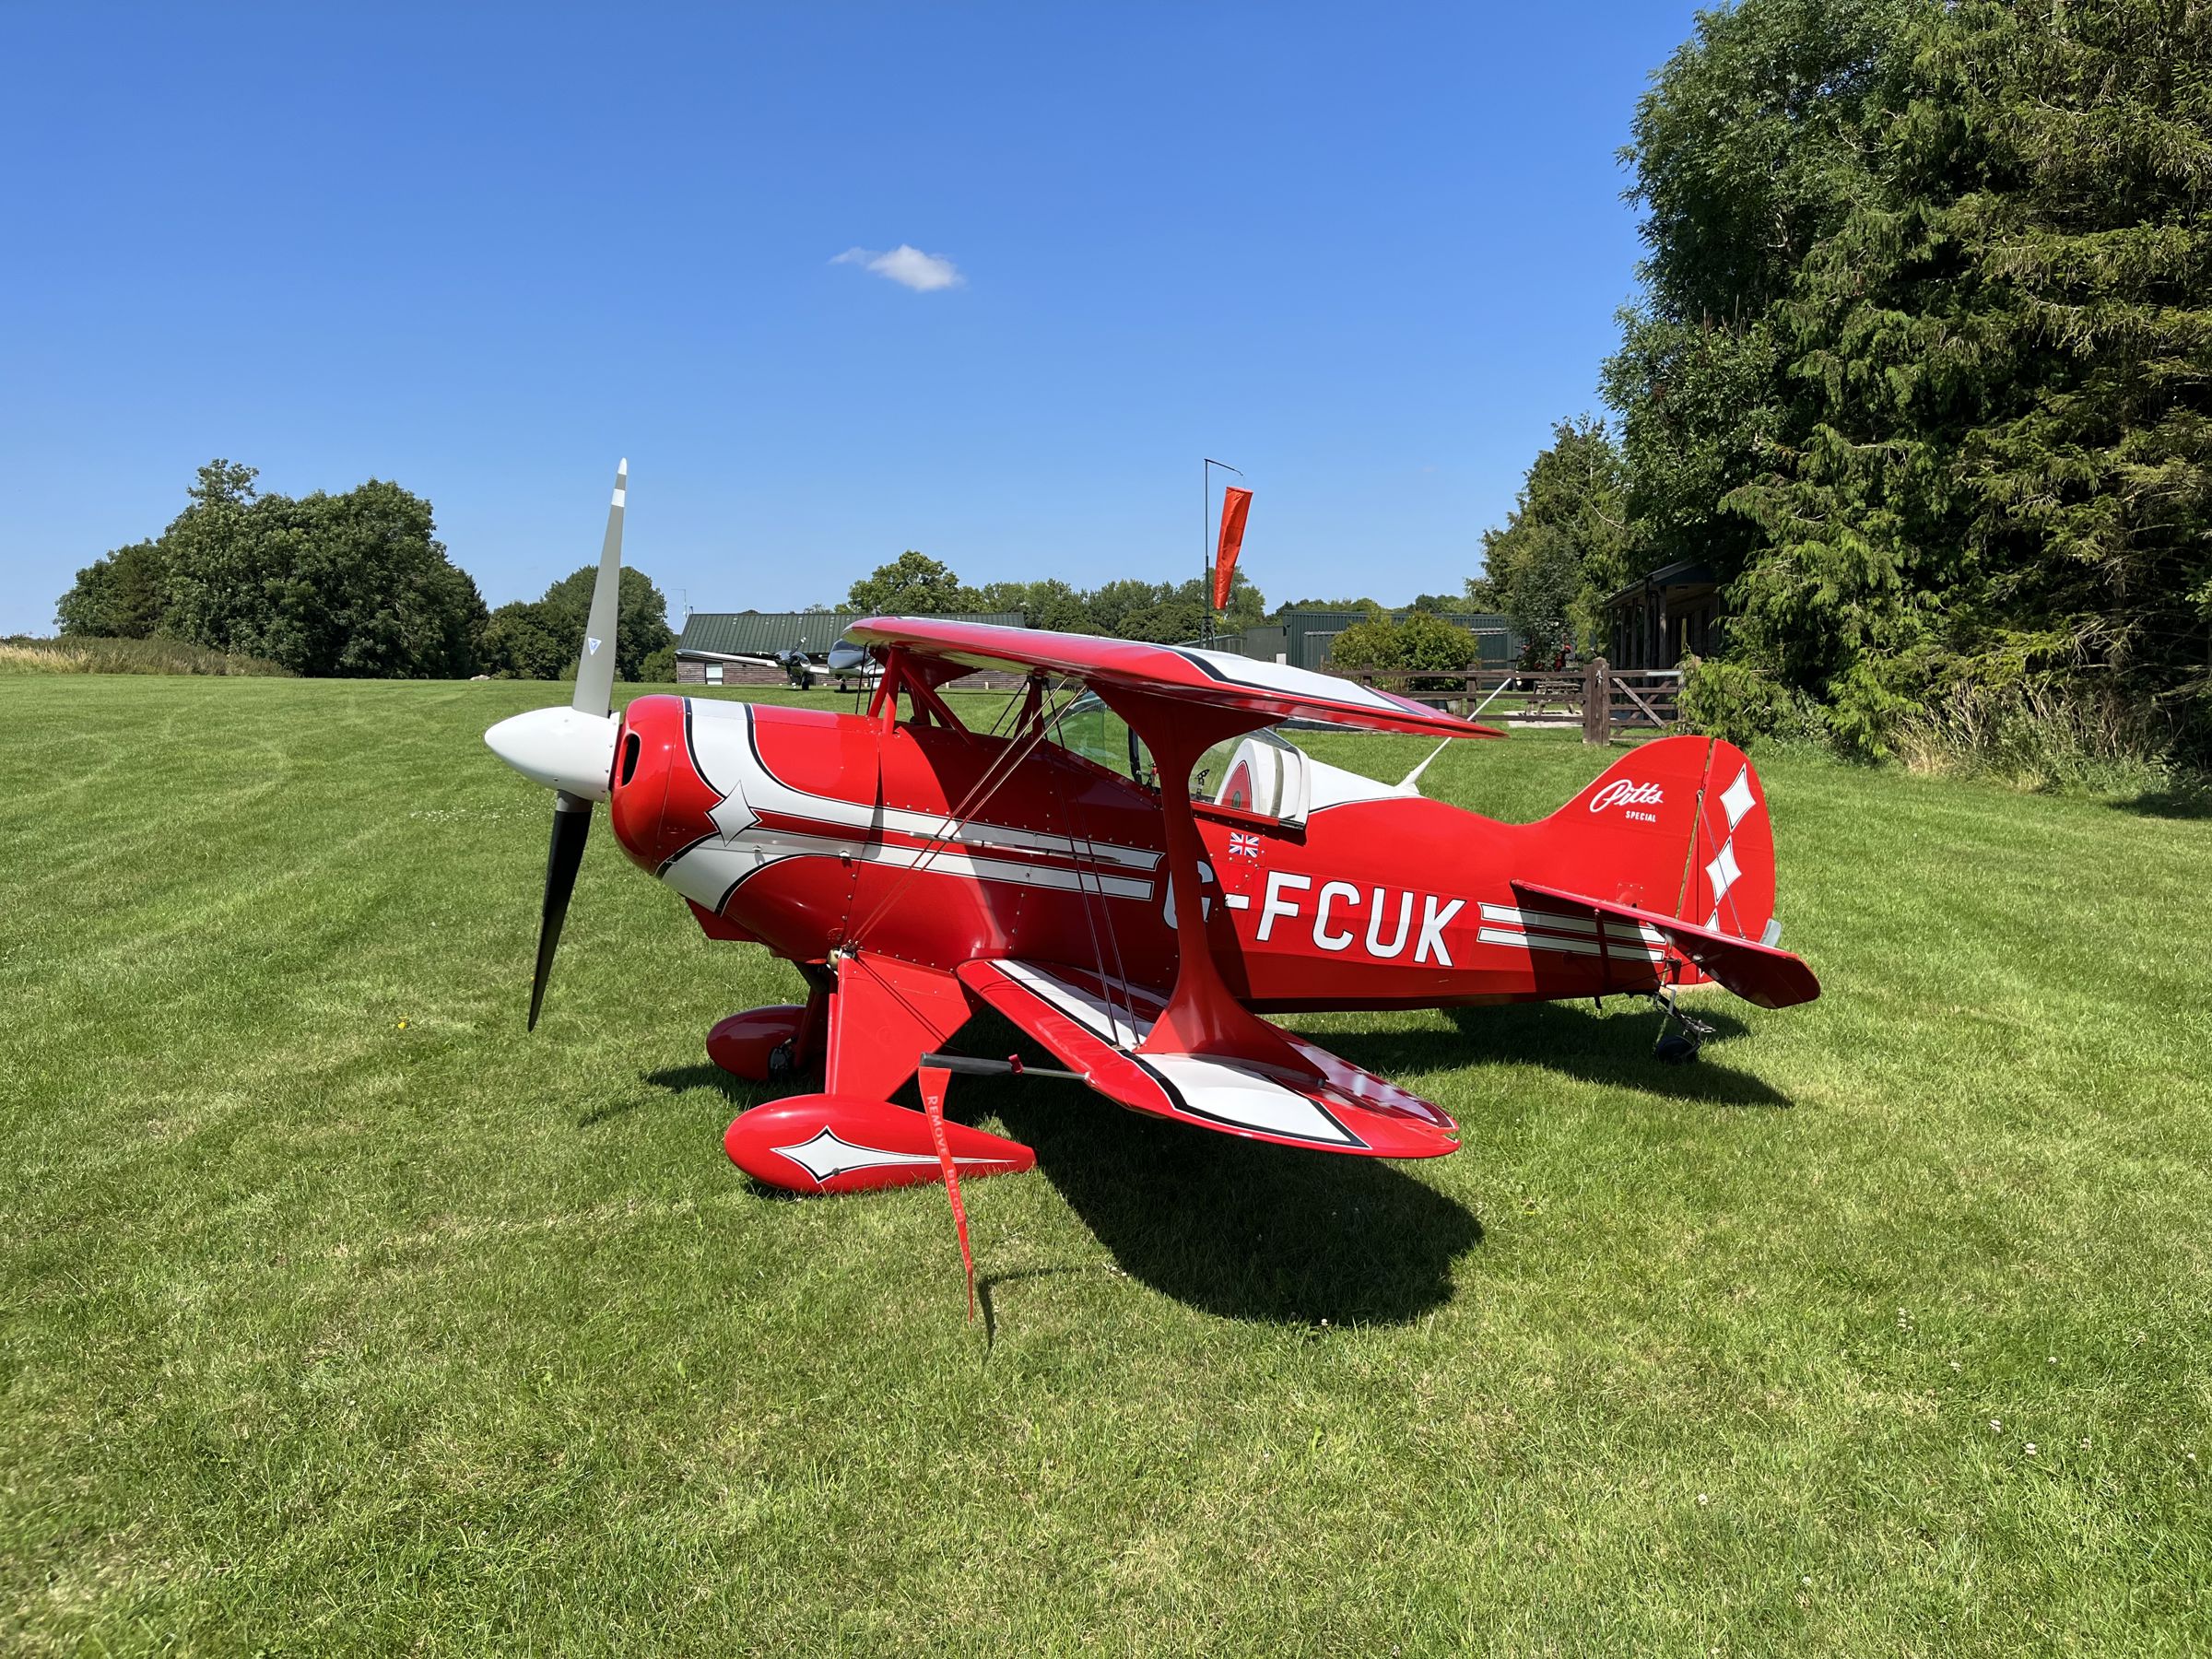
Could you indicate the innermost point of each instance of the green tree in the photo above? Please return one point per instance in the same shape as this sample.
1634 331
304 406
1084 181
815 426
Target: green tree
1330 605
1564 546
1920 364
1749 148
1548 586
366 590
2006 470
118 597
225 569
913 585
640 618
530 640
1051 602
1247 605
326 584
542 639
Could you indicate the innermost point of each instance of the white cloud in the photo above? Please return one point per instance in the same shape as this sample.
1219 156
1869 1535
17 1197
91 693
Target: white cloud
910 267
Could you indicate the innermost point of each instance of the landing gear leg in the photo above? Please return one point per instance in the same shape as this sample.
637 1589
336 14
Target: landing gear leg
1677 1048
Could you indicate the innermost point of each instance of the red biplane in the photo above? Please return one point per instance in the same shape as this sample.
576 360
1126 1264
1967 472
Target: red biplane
1135 871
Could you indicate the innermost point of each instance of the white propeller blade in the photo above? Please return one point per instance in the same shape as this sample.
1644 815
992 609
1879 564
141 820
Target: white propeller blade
596 668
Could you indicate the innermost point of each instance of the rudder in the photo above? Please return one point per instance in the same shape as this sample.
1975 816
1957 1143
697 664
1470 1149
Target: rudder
1677 826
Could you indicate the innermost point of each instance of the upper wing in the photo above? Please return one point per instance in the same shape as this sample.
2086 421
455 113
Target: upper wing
1218 677
1320 1101
1758 974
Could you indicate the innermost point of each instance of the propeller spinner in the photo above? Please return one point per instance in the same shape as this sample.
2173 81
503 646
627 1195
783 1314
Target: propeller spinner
571 750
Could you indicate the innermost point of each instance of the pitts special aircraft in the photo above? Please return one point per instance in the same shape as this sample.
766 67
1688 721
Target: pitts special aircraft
1133 873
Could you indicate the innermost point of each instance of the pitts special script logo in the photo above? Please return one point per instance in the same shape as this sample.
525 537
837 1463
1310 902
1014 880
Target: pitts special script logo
1629 795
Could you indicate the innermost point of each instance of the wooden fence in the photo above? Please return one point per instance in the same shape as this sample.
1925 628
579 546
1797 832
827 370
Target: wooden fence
1600 697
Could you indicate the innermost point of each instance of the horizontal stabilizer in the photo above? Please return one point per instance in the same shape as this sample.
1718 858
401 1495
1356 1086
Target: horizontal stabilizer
1758 973
1094 1025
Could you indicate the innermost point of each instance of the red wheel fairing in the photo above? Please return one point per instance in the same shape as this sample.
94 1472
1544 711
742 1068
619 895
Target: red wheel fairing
839 1144
744 1044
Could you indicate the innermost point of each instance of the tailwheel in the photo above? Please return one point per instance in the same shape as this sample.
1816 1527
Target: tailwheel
1677 1048
827 1143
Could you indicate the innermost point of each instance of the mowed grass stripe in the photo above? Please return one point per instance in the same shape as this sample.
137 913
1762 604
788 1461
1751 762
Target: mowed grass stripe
319 1333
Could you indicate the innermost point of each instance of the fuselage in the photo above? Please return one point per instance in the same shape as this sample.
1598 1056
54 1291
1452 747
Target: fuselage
813 832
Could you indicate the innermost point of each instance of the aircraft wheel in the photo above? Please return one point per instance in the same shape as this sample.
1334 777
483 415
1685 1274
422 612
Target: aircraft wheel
1675 1050
746 1045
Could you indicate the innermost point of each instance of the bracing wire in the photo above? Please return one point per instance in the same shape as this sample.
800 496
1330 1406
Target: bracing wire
1115 984
994 778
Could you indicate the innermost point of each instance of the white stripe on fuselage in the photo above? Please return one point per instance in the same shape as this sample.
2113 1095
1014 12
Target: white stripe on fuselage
722 748
1614 945
704 873
721 740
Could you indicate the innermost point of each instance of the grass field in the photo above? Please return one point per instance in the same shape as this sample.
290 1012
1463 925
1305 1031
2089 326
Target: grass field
336 1314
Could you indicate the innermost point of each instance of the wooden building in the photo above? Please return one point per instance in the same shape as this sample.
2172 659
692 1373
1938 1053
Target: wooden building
1674 612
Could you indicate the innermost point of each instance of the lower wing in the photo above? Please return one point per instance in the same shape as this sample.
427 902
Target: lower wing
1306 1097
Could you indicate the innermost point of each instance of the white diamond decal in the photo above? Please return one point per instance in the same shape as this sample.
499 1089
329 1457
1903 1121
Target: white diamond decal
590 646
1737 799
825 1155
1721 872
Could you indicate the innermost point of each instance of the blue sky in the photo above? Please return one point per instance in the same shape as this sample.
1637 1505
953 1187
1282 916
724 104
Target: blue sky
1369 254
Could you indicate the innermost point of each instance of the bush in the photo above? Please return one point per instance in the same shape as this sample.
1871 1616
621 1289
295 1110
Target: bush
1433 643
90 654
1735 702
1374 644
659 667
2038 737
1422 642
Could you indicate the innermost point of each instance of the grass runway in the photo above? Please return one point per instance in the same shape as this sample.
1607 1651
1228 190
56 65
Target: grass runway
338 1315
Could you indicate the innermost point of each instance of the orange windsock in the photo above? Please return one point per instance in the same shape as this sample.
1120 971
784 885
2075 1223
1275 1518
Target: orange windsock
1235 504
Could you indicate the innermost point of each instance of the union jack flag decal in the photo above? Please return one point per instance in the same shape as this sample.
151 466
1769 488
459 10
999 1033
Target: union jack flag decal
1242 845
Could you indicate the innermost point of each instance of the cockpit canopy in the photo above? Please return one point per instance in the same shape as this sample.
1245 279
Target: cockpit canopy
1261 772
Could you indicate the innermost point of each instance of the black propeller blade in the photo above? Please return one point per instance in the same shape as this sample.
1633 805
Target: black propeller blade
571 828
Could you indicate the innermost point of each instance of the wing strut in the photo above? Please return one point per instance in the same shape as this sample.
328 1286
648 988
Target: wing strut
1202 1016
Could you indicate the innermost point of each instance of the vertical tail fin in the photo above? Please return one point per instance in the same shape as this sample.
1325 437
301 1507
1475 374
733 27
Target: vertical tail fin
1678 827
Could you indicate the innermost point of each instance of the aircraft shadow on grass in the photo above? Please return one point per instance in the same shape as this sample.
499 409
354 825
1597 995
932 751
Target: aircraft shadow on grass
1234 1227
1247 1230
1569 1039
1242 1229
